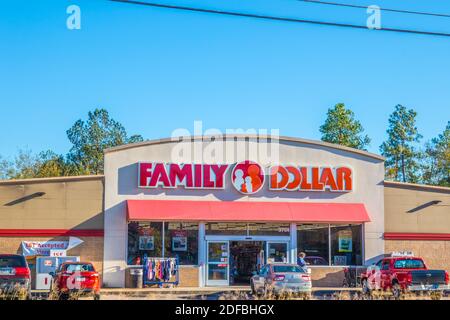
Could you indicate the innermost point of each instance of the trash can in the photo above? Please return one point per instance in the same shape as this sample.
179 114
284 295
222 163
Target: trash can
136 277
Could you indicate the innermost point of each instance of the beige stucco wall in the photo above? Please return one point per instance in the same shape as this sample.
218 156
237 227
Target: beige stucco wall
411 209
407 210
121 174
53 205
66 203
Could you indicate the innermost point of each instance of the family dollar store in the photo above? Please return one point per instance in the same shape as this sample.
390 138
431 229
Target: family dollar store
223 206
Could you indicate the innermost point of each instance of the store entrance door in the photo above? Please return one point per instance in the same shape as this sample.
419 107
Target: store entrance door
218 268
246 258
232 260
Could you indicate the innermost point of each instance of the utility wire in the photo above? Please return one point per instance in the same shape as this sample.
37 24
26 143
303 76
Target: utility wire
274 18
382 9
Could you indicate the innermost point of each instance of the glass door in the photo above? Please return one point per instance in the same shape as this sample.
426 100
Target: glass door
277 252
218 263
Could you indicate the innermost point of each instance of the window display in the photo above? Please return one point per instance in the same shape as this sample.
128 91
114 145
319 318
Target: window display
181 240
345 247
346 244
144 239
146 243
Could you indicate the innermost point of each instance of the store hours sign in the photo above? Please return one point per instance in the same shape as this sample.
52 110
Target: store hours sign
247 177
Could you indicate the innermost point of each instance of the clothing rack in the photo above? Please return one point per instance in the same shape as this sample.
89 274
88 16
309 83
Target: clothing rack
155 264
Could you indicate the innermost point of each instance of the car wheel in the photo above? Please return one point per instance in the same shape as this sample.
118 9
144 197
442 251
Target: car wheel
64 296
396 291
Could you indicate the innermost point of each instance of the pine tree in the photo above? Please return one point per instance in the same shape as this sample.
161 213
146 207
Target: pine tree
402 158
436 164
342 128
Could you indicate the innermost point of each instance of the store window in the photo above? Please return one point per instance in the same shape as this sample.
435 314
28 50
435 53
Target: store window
346 245
144 238
226 228
277 252
248 229
269 229
181 240
312 239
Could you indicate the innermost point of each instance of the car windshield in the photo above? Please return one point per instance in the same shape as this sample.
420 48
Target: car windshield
70 268
12 262
282 269
409 264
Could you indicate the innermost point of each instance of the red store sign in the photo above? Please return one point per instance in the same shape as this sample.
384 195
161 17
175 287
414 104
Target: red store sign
247 177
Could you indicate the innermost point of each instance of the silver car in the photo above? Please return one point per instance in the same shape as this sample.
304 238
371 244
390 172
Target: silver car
281 278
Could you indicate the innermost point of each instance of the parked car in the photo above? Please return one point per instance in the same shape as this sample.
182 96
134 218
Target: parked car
315 261
75 279
404 274
15 277
280 278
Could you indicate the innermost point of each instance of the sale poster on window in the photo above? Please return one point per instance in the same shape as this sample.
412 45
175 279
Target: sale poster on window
340 260
179 240
345 241
146 243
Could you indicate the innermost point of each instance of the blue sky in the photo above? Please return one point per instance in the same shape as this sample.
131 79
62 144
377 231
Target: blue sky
156 70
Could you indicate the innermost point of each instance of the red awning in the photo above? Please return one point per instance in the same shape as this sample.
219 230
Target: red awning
187 210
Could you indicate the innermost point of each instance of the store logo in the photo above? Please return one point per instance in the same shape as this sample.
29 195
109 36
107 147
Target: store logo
247 177
189 176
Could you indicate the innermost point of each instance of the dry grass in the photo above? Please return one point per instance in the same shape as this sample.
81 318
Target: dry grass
284 295
77 295
16 293
338 295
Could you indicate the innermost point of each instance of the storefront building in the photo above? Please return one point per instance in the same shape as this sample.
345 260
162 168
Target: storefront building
222 219
38 215
417 219
226 208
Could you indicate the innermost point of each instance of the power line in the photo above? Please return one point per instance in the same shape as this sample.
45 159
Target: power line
382 9
274 18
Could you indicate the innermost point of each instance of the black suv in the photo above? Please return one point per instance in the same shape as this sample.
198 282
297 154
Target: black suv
15 277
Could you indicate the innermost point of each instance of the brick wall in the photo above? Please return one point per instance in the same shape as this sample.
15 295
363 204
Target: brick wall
327 276
189 276
435 253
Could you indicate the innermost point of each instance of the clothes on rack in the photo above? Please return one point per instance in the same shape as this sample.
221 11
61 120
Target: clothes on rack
160 269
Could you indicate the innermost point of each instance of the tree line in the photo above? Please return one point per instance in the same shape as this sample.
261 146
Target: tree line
407 160
88 138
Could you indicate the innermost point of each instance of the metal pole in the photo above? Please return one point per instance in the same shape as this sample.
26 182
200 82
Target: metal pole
329 244
163 251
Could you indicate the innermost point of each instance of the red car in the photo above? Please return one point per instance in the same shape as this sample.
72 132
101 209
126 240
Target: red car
401 274
15 277
75 279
